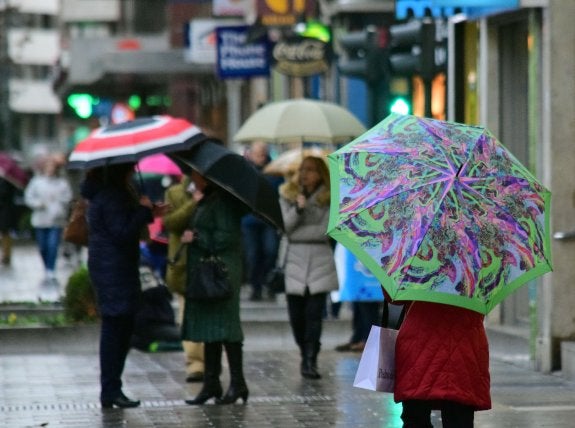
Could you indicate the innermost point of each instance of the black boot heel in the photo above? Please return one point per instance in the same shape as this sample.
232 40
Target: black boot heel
233 394
206 394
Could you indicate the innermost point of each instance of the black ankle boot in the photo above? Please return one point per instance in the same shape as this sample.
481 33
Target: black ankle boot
233 393
238 387
208 391
212 387
309 361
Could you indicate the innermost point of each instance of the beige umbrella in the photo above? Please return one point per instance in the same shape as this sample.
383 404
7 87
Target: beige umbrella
289 161
301 120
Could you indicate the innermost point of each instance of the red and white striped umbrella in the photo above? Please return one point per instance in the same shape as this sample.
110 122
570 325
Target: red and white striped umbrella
130 141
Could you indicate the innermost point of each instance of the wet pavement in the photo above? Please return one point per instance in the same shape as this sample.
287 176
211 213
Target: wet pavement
57 386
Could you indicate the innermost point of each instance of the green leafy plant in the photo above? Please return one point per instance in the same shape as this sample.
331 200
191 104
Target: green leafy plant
80 301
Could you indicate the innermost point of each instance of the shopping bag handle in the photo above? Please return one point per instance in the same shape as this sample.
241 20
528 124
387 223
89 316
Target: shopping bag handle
385 316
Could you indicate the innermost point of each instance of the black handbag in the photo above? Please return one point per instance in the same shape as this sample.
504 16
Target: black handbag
275 279
209 280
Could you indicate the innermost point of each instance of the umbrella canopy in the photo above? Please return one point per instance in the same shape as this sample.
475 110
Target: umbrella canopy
133 140
289 161
12 172
158 164
236 175
440 212
301 120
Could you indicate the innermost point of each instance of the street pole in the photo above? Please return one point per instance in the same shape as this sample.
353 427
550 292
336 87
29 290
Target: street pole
428 85
5 117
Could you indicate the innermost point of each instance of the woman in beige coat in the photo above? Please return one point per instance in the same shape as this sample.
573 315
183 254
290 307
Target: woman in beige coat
310 269
181 201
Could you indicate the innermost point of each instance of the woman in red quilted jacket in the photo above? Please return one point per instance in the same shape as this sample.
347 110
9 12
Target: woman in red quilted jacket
442 363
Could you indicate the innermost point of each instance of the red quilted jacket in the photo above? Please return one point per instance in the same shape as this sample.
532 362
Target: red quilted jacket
442 354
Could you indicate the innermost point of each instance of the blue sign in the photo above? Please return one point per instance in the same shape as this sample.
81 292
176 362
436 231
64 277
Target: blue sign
237 58
446 8
497 4
356 283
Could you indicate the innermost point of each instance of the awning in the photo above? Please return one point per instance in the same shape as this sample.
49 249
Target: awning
92 59
33 96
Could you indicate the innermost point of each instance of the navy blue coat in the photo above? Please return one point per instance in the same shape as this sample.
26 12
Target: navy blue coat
116 221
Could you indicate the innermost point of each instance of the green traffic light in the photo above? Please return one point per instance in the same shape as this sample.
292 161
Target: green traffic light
315 30
400 106
135 102
82 104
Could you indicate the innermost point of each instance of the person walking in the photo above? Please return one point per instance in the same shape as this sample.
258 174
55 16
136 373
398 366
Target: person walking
364 315
180 199
442 363
215 229
8 219
260 239
310 272
116 218
48 195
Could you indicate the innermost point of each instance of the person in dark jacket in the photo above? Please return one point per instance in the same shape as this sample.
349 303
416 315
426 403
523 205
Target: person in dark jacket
116 218
215 228
260 239
8 218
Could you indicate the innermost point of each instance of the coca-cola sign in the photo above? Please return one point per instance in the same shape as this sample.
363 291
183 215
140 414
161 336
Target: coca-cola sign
301 56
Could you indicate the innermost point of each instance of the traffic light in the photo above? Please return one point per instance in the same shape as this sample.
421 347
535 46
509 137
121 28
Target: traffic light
412 49
82 104
400 94
400 105
364 54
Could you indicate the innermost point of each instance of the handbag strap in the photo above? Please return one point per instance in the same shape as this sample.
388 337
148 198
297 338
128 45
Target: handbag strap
385 316
285 253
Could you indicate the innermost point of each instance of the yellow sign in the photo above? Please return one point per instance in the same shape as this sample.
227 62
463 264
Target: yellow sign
284 12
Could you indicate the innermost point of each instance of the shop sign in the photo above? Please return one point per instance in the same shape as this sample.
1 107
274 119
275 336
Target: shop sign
229 7
301 56
236 58
200 40
284 12
446 8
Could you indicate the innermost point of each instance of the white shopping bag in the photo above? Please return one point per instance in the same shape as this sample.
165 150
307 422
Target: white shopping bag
376 370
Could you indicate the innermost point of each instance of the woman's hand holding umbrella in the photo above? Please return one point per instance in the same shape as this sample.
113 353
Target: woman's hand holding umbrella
158 209
187 237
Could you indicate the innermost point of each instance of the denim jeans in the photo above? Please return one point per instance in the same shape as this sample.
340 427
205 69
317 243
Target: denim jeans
261 243
48 241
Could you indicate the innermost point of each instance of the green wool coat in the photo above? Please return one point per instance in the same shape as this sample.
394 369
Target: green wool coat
216 222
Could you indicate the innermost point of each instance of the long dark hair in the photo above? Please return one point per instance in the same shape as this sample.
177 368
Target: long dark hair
111 175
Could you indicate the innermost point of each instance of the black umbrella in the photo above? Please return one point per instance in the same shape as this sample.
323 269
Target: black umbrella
235 174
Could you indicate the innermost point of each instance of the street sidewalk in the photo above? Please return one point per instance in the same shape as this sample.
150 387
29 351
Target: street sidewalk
49 377
61 390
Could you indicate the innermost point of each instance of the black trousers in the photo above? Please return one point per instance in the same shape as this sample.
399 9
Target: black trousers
417 414
115 337
305 315
365 314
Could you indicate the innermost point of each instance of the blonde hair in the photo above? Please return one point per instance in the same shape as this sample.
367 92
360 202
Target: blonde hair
291 188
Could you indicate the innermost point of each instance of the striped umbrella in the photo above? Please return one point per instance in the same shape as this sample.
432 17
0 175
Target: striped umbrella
130 141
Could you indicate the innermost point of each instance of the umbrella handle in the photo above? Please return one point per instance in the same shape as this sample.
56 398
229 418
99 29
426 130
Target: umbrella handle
140 180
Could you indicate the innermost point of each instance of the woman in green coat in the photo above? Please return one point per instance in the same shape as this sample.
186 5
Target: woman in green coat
215 228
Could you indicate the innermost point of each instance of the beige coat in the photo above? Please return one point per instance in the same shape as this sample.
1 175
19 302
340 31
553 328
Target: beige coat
176 221
309 260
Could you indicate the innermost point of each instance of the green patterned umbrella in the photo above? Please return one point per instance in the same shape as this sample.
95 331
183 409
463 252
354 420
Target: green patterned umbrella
440 212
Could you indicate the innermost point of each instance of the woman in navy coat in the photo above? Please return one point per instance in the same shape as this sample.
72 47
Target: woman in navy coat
116 218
